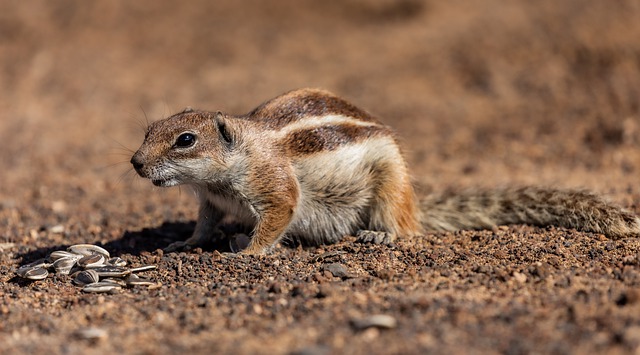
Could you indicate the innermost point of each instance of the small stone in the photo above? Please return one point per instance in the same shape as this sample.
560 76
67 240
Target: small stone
337 270
381 321
93 334
275 288
385 274
324 290
519 277
58 206
631 336
57 229
628 297
6 246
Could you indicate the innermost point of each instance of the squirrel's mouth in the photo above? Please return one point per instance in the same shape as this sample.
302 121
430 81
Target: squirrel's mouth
165 183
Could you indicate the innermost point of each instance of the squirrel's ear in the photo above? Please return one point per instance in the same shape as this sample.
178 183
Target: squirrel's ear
225 131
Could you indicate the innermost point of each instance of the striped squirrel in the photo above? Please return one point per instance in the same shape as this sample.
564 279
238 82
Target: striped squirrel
310 167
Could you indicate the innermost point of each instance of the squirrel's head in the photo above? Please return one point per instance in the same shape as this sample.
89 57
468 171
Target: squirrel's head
189 147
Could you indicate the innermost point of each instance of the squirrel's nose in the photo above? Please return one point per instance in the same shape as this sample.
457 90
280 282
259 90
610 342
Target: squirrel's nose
137 164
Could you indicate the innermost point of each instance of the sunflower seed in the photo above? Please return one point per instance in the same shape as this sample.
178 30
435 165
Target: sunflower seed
88 249
86 277
59 254
91 261
63 266
101 287
143 268
38 263
33 273
22 271
88 263
116 261
27 271
112 271
135 280
115 281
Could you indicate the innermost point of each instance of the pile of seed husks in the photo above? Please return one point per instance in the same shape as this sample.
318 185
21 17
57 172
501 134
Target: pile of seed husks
91 268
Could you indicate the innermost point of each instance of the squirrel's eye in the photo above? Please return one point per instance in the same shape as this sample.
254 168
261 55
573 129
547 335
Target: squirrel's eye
185 140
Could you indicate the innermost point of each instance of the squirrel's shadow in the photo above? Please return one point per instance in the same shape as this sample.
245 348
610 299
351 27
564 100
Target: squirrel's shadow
150 239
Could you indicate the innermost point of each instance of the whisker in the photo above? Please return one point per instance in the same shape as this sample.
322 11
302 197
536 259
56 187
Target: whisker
126 174
146 117
121 153
113 165
140 124
122 146
167 108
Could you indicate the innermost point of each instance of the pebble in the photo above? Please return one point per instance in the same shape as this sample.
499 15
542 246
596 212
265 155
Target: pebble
519 277
57 229
337 270
6 246
380 321
92 334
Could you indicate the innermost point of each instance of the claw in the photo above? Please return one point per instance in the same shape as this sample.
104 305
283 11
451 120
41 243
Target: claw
374 237
177 247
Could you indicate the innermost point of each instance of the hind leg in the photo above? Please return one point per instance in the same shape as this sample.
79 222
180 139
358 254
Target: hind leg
393 211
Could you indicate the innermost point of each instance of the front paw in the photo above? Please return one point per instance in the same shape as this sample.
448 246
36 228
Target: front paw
239 242
374 237
178 246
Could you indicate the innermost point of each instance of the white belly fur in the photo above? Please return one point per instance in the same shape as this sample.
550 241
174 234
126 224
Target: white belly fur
337 194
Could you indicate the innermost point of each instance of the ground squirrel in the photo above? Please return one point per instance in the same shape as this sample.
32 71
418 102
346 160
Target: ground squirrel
308 166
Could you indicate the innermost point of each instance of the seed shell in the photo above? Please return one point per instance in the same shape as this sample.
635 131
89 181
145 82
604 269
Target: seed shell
115 281
112 271
63 266
143 268
59 254
33 273
135 280
86 277
90 261
116 261
38 264
101 287
88 249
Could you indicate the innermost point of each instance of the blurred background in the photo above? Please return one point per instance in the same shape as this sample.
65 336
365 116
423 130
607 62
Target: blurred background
482 93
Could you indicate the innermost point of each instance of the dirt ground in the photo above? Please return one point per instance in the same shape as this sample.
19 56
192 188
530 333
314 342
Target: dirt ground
489 93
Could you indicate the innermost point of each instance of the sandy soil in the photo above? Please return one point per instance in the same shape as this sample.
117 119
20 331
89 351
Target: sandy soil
485 94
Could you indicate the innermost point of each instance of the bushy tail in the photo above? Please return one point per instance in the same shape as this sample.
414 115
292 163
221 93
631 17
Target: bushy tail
481 209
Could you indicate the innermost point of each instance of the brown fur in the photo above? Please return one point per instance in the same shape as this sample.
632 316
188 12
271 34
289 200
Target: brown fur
308 141
478 209
299 104
311 167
